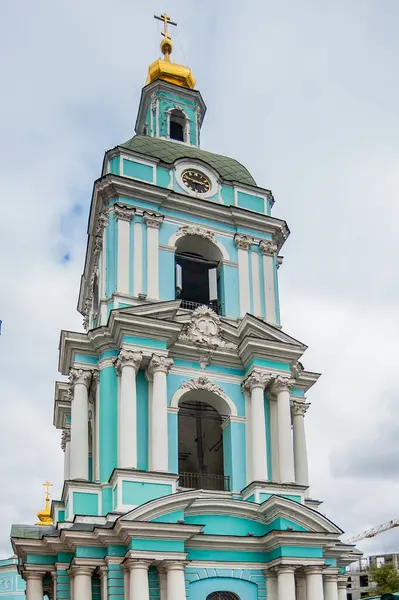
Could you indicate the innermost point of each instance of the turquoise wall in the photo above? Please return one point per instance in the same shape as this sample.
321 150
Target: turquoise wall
108 419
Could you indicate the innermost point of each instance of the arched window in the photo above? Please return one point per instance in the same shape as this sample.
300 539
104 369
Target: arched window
222 596
200 438
198 266
177 125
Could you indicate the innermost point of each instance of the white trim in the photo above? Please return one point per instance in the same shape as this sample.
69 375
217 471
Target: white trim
184 164
243 281
255 263
268 279
123 256
153 263
173 239
142 161
231 408
251 191
138 258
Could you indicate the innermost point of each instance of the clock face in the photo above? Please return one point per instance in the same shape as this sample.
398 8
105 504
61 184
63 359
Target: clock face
196 181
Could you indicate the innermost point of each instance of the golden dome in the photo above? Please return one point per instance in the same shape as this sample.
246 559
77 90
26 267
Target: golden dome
44 515
163 68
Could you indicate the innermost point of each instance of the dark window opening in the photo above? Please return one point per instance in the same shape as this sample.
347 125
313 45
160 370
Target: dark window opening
222 596
364 580
177 125
200 447
196 281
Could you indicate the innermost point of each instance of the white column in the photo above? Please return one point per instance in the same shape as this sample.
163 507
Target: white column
175 583
285 447
300 587
54 584
80 381
104 583
255 383
314 583
123 216
162 584
286 583
256 284
330 586
271 584
66 447
153 222
298 410
138 259
34 586
342 588
243 243
127 365
158 369
138 580
269 249
82 582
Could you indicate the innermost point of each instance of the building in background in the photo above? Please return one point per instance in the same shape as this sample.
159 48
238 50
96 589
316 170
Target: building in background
183 416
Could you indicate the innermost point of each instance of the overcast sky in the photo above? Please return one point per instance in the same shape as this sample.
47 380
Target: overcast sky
306 95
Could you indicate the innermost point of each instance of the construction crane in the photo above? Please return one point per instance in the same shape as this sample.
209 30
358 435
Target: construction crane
370 533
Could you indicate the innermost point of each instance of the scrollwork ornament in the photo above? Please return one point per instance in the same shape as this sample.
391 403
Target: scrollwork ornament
268 248
160 363
153 220
128 358
123 212
204 329
299 408
256 379
65 438
154 102
243 242
282 384
80 376
197 230
203 383
297 369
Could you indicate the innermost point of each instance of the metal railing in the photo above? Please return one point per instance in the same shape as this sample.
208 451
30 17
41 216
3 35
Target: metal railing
187 304
204 481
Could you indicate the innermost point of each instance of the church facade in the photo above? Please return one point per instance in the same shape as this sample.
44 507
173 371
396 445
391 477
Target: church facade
183 404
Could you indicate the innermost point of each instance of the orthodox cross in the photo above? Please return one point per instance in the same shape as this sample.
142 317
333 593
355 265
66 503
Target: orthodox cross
166 21
47 485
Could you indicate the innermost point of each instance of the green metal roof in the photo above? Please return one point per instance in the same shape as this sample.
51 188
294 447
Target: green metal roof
168 152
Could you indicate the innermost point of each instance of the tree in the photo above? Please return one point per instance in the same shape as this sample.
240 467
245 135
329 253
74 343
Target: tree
386 577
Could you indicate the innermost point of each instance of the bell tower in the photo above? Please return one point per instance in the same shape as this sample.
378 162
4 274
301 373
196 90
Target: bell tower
182 404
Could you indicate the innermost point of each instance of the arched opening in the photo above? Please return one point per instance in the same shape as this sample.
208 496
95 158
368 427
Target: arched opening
198 267
177 125
200 442
222 596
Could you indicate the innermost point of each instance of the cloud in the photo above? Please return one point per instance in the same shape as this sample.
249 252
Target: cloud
304 95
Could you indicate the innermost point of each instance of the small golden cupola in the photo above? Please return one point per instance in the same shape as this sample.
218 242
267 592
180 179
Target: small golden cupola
163 68
44 515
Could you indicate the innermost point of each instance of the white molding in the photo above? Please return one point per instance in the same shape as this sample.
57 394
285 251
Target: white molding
178 234
256 292
243 281
138 258
185 164
205 383
123 257
251 191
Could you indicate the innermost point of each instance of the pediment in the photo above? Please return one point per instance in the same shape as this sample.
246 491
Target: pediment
198 503
251 326
159 310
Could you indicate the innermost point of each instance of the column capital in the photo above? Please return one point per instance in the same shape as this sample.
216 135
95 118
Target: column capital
286 568
256 379
342 582
153 220
331 577
243 242
65 438
173 565
34 575
81 570
314 570
268 248
128 358
270 572
160 363
102 222
123 212
81 376
281 384
133 564
299 408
